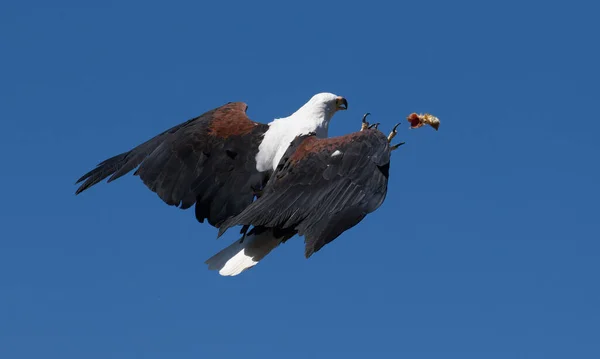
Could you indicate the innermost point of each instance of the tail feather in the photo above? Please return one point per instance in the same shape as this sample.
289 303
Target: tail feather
243 254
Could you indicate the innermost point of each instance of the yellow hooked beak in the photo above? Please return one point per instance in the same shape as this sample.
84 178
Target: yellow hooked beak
341 103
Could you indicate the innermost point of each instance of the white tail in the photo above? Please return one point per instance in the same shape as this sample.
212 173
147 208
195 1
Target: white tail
242 255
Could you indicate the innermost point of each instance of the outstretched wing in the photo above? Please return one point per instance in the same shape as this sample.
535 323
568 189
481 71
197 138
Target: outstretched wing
208 161
322 187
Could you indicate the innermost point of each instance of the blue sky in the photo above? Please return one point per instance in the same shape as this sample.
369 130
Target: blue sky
486 247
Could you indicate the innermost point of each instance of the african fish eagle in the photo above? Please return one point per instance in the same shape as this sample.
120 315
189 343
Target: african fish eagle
282 178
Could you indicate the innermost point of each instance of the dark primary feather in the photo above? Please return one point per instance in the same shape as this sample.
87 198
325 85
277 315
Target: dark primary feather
318 195
208 161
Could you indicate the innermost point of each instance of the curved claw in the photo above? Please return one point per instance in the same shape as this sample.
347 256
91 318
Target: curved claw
395 147
393 133
364 124
364 119
375 125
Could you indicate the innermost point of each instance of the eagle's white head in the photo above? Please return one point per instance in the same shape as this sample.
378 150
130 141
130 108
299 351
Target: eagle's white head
322 106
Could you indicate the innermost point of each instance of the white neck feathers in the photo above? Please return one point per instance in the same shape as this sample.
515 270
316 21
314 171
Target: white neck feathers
312 117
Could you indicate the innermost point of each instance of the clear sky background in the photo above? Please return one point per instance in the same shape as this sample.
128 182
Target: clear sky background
486 247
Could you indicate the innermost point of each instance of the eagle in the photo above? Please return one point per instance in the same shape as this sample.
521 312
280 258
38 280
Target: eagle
276 180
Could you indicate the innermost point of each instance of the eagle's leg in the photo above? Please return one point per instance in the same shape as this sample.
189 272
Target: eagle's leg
364 124
391 137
